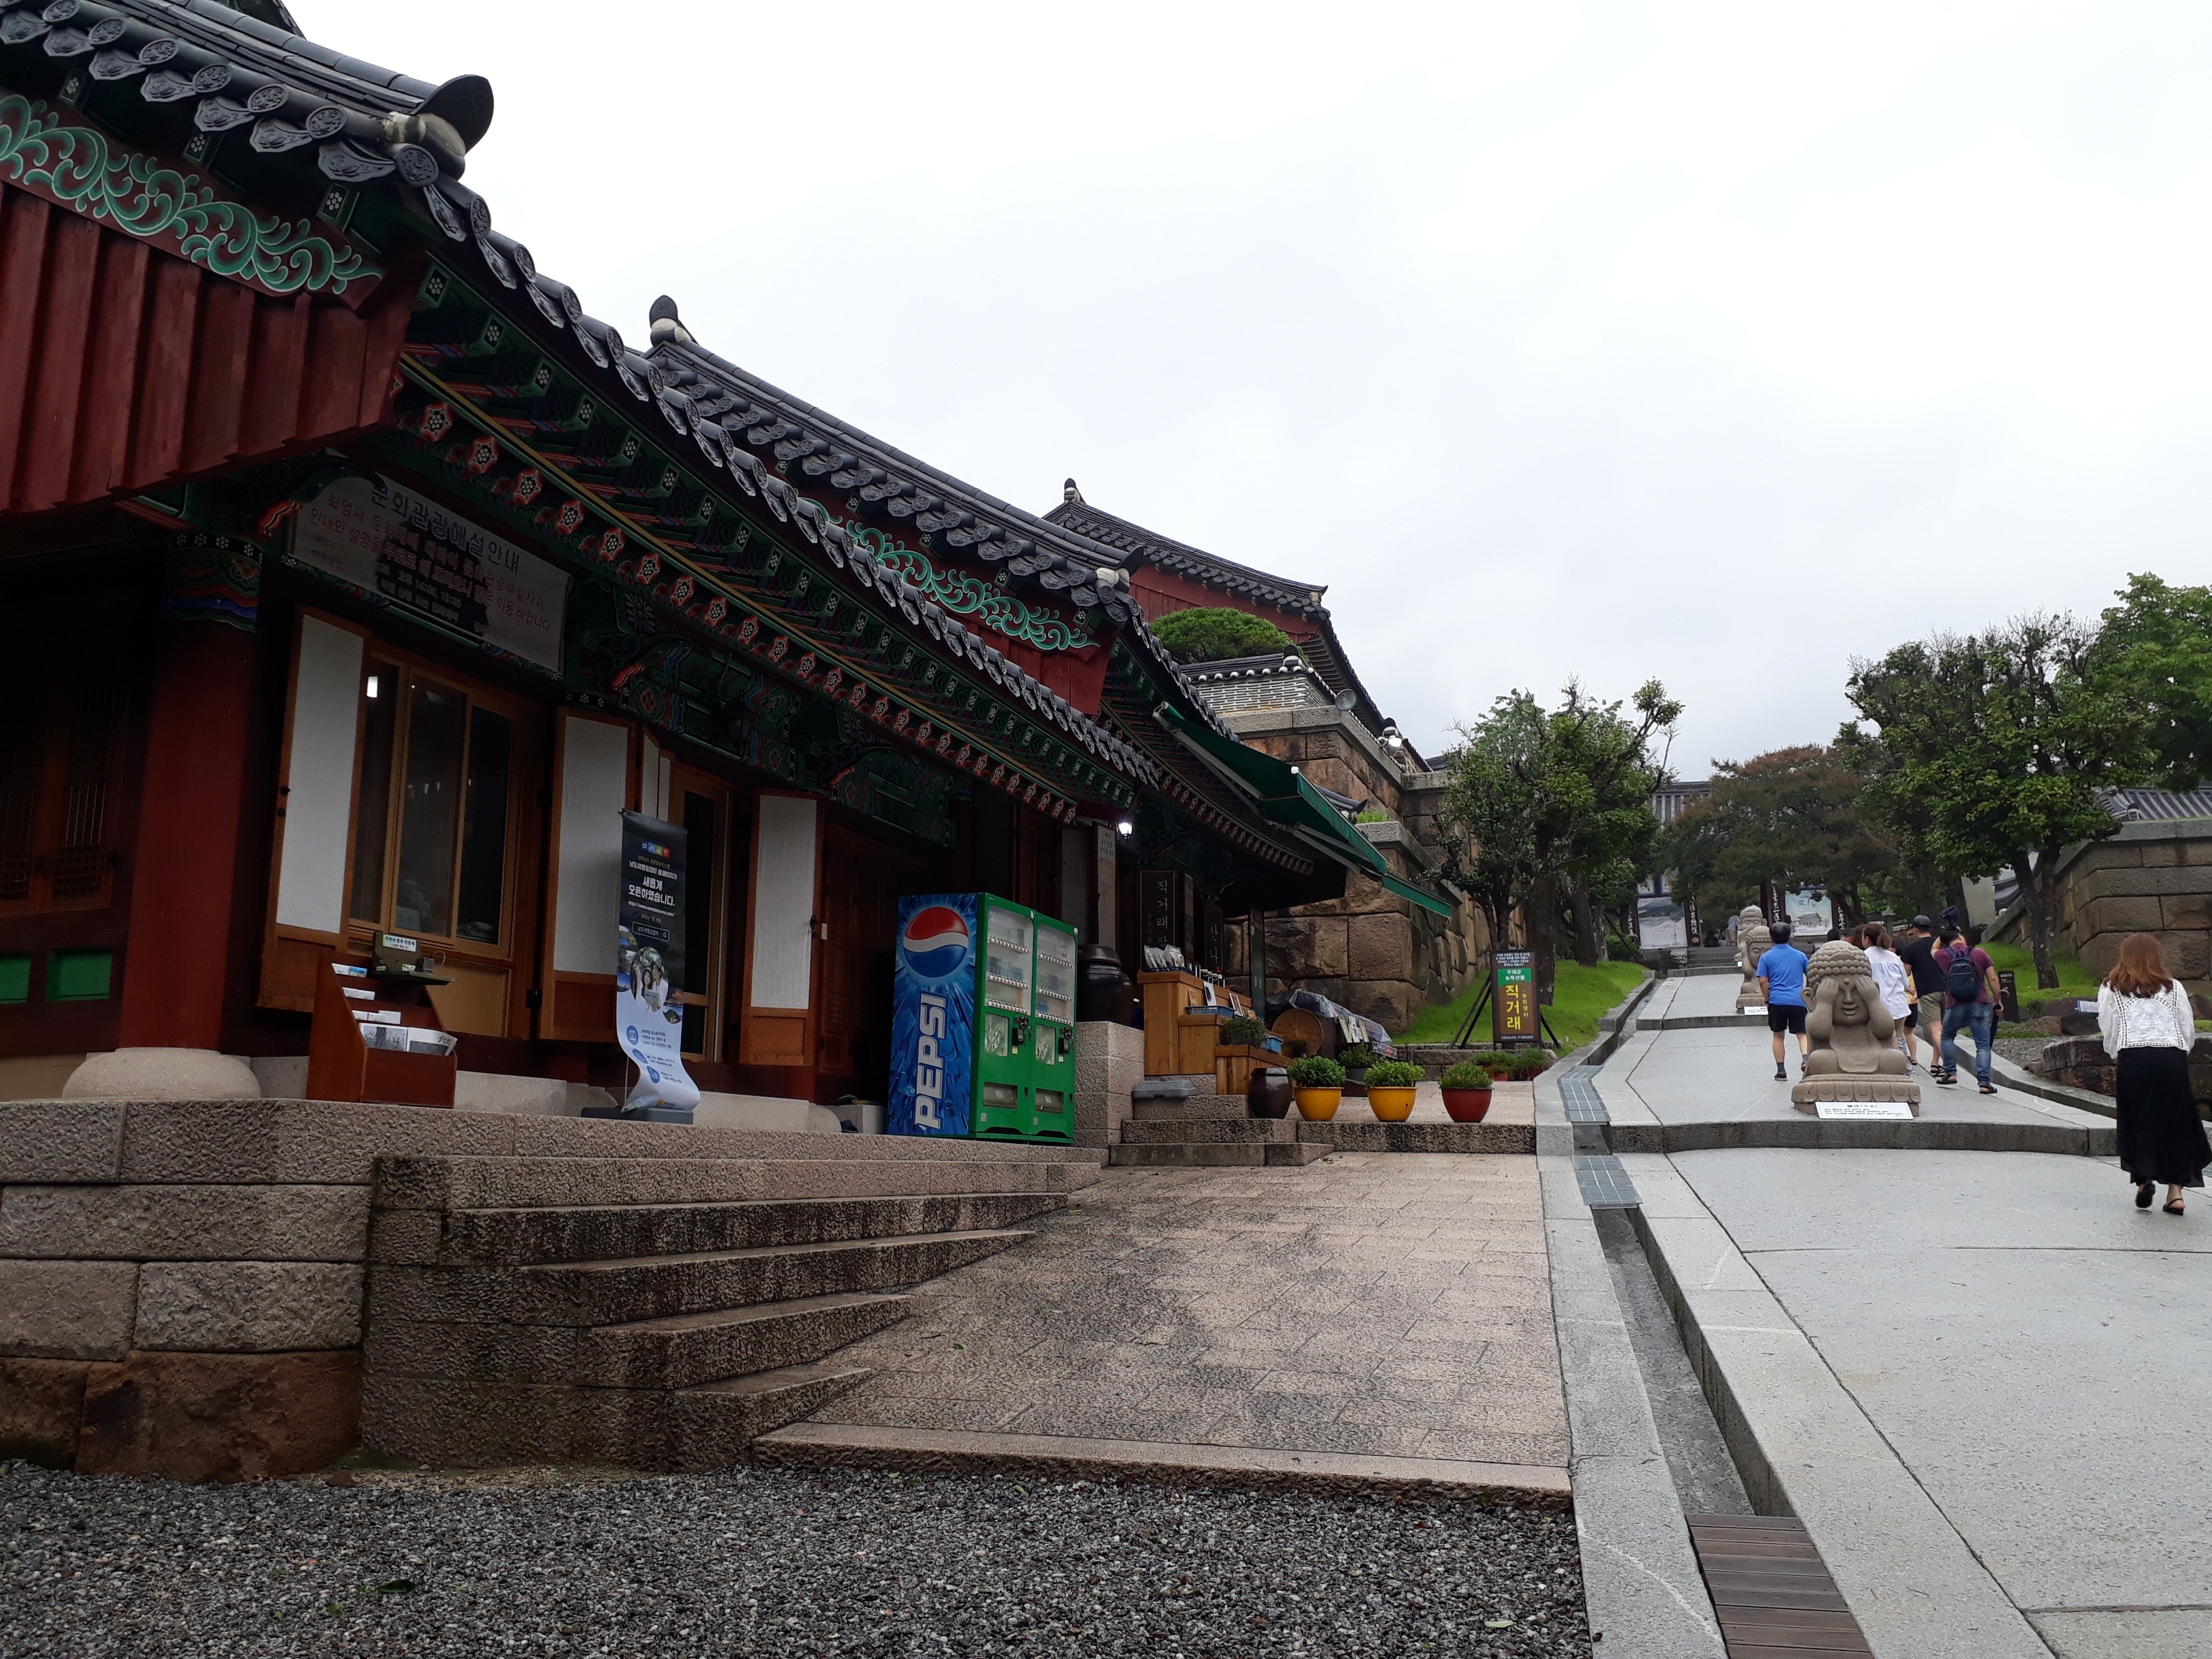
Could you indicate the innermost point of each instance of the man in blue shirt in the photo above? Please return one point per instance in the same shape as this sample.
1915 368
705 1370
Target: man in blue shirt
1782 982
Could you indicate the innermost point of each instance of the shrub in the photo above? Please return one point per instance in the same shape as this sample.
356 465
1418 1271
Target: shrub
1534 1063
1248 1032
1213 634
1467 1075
1316 1072
1498 1062
1393 1074
1357 1058
1620 948
1294 1046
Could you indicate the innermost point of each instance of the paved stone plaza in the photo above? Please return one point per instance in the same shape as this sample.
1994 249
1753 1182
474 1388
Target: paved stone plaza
1384 1314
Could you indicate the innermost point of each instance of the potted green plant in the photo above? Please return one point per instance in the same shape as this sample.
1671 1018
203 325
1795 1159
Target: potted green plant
1355 1060
1390 1086
1317 1083
1236 1050
1530 1063
1466 1091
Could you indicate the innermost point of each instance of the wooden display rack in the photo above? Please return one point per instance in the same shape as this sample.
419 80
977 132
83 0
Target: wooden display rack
1178 1042
341 1065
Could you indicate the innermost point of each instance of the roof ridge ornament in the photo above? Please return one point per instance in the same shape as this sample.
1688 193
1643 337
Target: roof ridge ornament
664 325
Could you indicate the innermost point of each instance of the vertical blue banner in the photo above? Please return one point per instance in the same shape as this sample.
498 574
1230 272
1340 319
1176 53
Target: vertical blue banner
933 1016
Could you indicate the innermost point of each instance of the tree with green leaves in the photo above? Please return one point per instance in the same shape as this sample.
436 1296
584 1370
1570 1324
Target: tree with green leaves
2003 742
1215 634
2155 648
1556 809
1791 815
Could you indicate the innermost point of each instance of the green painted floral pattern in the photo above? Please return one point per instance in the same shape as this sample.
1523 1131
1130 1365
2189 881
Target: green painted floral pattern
74 168
971 596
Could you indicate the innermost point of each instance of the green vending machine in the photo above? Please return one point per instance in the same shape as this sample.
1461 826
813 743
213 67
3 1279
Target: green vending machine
1025 1051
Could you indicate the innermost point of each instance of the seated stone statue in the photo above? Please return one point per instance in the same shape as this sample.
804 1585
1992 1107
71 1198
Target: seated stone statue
1850 1028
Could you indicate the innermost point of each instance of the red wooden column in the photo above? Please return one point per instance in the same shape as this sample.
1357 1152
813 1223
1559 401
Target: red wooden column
184 872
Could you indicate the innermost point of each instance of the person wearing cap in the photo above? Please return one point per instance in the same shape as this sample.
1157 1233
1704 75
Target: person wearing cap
1918 954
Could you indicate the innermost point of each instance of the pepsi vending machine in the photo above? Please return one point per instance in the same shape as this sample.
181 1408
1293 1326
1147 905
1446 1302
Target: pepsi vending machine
983 1020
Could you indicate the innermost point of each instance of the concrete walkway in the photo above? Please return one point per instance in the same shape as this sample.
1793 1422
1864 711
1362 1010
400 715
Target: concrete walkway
1982 1379
1373 1319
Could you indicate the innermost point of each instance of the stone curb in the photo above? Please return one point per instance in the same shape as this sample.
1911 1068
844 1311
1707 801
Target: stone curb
949 1451
1836 1135
1641 1583
1705 1023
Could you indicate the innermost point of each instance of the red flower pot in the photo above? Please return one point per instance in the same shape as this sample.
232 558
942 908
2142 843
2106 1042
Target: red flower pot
1467 1105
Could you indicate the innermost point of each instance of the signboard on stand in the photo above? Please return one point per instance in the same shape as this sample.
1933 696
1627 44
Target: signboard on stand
1513 1013
649 969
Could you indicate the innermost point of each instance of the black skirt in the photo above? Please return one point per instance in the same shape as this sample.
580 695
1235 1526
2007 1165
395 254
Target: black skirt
2160 1136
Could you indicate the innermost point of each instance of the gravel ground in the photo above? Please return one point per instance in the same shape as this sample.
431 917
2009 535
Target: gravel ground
2020 1050
771 1562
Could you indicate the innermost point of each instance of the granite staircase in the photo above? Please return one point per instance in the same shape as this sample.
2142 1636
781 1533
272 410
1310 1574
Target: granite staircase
657 1312
1209 1130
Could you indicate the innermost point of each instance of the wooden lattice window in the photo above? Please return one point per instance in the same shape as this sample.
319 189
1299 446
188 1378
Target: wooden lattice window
60 749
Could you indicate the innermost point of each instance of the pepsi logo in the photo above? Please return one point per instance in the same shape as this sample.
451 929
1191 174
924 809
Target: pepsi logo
935 942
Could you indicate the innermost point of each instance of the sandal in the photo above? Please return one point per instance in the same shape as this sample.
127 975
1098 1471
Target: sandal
2145 1192
2172 1206
1988 1089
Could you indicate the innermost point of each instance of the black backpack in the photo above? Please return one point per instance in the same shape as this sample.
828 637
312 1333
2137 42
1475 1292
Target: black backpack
1962 980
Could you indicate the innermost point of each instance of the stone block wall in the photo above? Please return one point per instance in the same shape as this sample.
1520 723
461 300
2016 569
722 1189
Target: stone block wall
1109 1063
181 1282
2153 877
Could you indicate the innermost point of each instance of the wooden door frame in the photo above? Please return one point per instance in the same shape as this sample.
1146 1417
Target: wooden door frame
724 794
750 1016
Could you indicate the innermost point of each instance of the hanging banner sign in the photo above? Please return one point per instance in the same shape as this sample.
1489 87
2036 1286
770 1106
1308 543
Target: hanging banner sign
649 964
1513 1006
382 539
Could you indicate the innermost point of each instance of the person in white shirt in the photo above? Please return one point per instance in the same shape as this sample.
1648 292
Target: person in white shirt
1892 982
2149 1027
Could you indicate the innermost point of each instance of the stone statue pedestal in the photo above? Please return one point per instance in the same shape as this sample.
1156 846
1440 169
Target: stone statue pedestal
1748 996
1807 1096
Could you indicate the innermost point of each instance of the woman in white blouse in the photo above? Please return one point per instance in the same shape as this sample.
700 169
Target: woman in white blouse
2149 1027
1890 982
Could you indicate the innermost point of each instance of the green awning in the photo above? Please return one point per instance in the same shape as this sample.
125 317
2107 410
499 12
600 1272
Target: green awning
1281 794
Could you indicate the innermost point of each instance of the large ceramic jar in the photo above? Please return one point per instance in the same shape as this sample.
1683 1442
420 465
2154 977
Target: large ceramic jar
1102 988
1268 1093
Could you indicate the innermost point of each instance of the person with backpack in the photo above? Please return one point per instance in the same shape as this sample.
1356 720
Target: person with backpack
1970 1001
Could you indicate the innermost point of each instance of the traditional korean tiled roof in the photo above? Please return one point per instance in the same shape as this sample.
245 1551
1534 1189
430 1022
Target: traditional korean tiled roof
1301 599
201 69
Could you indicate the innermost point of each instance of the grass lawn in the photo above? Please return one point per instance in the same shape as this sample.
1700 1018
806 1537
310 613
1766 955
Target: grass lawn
1580 998
2076 983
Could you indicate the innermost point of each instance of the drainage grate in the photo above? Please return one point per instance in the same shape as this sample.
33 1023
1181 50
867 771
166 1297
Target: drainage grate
1578 1094
1770 1590
1605 1185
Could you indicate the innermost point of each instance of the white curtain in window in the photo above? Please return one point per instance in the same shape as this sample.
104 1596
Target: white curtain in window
318 800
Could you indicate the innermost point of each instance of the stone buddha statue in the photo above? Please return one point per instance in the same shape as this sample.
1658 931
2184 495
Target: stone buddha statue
1853 1057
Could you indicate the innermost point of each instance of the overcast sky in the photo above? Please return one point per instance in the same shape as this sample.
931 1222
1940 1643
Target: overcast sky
1715 341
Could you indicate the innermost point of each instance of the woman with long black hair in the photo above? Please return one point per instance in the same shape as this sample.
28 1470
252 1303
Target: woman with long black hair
2149 1027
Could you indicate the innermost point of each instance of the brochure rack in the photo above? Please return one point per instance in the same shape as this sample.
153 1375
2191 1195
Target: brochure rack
376 1036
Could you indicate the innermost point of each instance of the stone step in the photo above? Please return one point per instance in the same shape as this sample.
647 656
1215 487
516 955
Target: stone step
612 1293
482 1424
1365 1135
677 1353
518 1238
1192 1108
1217 1155
1252 1129
460 1183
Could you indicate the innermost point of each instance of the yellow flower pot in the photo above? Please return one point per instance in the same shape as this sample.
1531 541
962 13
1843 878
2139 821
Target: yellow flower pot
1391 1105
1318 1105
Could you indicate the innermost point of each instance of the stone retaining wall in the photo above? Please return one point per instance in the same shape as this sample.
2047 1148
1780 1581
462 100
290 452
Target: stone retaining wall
2154 877
181 1281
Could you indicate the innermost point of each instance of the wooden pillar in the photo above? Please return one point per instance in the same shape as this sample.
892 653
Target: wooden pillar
177 963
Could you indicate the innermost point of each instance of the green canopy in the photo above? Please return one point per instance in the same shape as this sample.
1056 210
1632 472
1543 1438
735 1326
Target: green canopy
1283 797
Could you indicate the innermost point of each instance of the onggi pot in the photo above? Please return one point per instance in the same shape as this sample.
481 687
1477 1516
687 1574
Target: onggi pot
1318 1105
1390 1105
1268 1093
